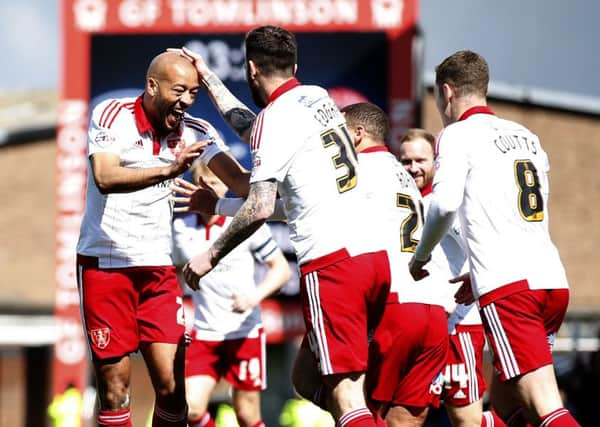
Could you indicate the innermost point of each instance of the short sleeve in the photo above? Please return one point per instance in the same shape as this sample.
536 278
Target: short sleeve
102 139
272 148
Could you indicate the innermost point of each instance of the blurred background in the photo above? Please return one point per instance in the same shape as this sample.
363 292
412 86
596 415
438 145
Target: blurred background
62 57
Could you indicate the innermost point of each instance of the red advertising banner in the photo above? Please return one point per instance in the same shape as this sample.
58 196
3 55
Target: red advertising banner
84 19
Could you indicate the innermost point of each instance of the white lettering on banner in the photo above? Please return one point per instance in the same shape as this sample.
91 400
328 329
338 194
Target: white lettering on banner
387 13
70 347
71 165
90 15
136 13
274 12
227 62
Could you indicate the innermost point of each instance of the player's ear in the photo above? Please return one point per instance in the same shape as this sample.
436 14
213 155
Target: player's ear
448 92
253 70
152 86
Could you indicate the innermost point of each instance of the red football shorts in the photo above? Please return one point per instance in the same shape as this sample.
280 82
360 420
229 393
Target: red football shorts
242 362
341 297
407 354
520 328
124 307
463 376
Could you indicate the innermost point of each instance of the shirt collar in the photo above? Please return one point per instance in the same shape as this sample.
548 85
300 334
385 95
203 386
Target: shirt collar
427 190
479 109
220 221
374 149
288 85
141 119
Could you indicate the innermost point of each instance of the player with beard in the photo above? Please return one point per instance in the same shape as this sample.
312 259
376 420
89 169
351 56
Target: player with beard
301 149
464 382
130 296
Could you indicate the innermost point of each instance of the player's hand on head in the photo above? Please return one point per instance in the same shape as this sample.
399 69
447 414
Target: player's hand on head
464 294
244 301
416 268
196 59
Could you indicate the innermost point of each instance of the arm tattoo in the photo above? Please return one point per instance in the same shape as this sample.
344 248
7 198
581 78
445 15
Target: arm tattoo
253 213
237 115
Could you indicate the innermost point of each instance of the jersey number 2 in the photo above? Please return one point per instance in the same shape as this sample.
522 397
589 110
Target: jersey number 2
410 223
531 203
345 157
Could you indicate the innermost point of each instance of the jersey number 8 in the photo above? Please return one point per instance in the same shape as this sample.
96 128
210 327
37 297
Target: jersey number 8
531 203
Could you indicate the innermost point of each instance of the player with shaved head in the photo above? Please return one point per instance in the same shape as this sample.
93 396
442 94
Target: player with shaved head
130 297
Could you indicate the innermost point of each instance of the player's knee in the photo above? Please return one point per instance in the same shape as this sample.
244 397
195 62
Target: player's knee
247 416
247 408
195 410
115 397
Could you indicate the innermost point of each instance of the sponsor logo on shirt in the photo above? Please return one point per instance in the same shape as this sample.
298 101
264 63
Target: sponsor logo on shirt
175 144
103 139
139 144
256 162
100 337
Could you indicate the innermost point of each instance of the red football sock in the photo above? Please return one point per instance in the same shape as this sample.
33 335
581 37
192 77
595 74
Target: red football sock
204 421
120 418
559 418
491 419
259 423
361 417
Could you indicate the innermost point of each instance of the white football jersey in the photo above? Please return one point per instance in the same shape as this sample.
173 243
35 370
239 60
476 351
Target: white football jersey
134 229
214 319
448 260
300 141
495 173
395 222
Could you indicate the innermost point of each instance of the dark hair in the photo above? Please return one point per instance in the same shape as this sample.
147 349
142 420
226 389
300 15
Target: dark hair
369 116
466 71
416 133
272 49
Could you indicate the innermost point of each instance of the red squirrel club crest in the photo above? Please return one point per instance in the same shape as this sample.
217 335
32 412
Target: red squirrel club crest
175 144
100 337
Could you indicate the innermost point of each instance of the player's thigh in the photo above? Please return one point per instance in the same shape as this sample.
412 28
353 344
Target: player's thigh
464 382
306 377
244 362
338 301
113 382
408 374
108 306
516 331
197 391
466 416
160 312
166 364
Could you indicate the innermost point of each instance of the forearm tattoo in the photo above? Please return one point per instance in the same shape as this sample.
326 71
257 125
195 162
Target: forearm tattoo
239 117
249 218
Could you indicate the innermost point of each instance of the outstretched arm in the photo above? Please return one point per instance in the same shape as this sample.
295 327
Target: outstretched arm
237 115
